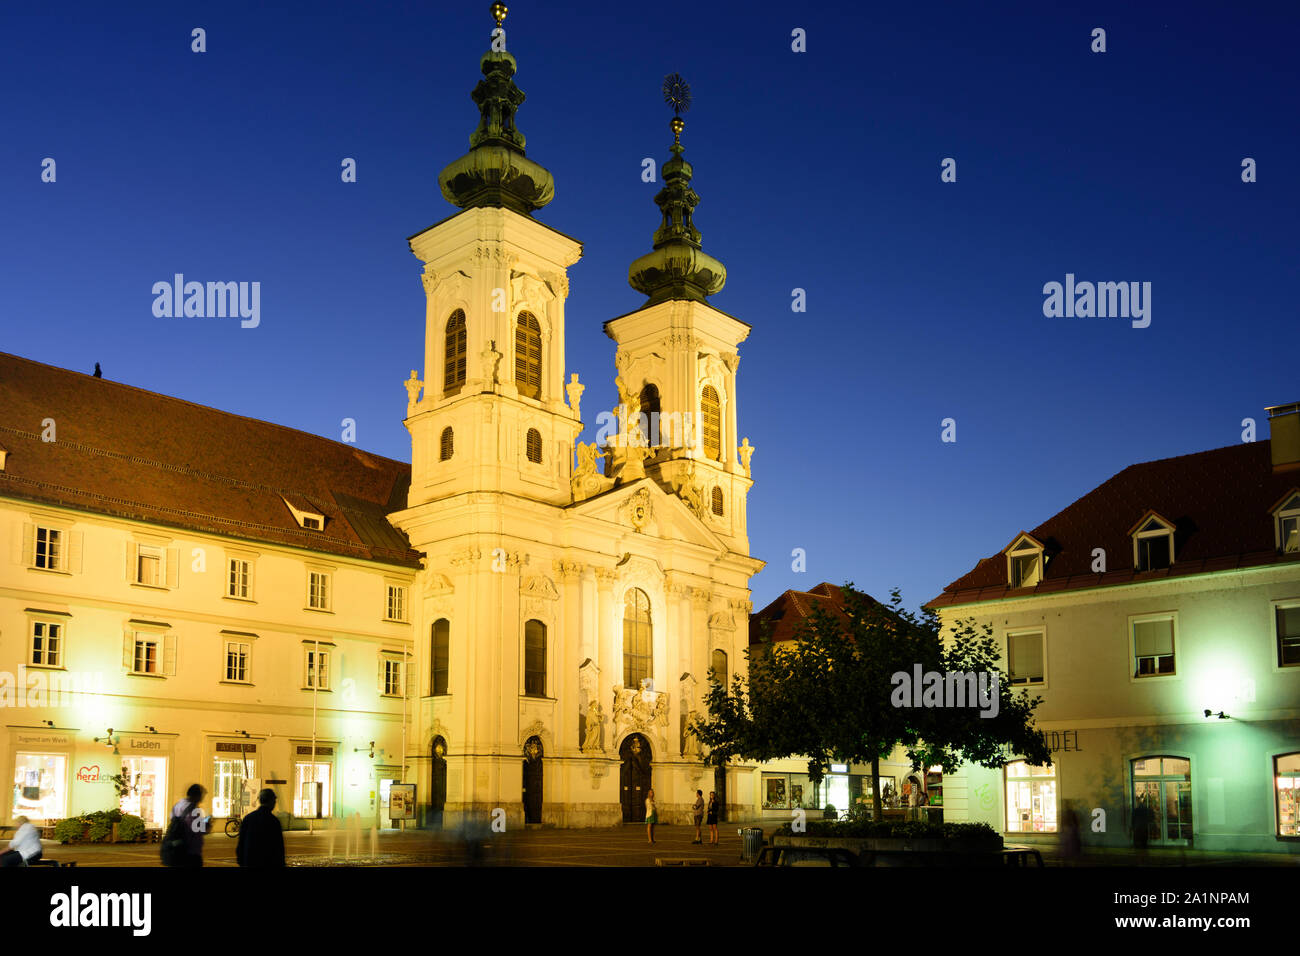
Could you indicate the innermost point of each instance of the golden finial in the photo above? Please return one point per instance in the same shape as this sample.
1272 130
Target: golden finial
677 124
499 11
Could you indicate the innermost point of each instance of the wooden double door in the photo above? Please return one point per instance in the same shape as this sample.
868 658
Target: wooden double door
634 777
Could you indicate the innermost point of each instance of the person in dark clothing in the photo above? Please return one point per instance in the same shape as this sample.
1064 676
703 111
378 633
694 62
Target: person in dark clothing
261 839
195 825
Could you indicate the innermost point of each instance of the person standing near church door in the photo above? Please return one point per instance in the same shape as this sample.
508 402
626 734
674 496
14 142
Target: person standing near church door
651 816
697 811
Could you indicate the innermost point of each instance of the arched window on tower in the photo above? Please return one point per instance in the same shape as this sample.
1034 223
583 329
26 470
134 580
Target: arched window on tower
528 356
453 368
711 423
533 446
446 445
439 657
637 639
717 500
651 424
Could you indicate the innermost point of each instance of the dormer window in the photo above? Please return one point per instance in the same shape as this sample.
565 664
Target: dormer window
1286 522
1024 561
311 520
1153 543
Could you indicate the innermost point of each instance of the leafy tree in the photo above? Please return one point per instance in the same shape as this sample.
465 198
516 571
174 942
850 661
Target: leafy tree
829 695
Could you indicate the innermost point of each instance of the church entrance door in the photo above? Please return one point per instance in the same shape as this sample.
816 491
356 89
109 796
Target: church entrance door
634 777
533 781
438 786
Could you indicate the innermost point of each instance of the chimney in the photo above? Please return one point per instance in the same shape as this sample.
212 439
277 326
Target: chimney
1284 436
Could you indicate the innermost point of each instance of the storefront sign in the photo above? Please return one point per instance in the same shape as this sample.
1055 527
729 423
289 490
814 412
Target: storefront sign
26 738
304 750
90 775
1057 740
142 743
229 748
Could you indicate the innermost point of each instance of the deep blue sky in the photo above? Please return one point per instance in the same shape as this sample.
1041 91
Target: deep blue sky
817 170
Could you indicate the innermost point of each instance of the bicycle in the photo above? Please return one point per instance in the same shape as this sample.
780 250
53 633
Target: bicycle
232 826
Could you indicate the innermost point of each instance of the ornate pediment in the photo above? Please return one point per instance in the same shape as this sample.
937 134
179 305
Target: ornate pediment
539 586
436 585
638 510
722 621
641 712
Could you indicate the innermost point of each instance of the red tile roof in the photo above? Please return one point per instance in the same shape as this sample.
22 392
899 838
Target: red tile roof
791 608
135 454
1219 502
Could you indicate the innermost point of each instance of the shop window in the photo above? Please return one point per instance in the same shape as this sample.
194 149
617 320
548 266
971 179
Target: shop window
312 794
1286 773
47 644
1031 798
1162 798
1288 634
234 775
1153 645
1025 657
776 791
146 796
40 786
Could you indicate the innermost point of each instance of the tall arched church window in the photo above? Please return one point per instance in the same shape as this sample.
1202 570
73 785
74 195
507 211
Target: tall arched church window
649 400
637 638
439 656
711 422
453 367
535 659
528 355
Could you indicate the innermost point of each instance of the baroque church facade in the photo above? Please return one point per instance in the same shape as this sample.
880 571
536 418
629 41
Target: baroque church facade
569 616
240 604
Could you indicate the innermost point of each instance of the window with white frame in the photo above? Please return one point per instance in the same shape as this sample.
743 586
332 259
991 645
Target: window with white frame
239 655
1286 519
46 644
49 549
239 578
1025 657
318 590
1153 637
1287 620
149 652
1153 544
149 565
395 604
1024 562
316 667
390 675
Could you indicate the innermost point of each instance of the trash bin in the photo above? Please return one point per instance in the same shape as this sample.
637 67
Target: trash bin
751 843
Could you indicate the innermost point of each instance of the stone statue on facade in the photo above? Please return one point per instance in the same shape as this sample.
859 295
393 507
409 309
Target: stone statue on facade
595 723
413 386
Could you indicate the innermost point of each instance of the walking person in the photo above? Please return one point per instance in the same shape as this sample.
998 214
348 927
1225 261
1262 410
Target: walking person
712 819
697 810
651 816
261 838
25 847
188 826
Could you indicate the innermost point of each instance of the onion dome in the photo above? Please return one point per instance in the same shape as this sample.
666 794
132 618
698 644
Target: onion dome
678 268
495 171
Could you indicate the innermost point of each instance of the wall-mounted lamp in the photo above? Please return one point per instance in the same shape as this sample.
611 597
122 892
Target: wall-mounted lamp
357 750
48 723
1221 715
109 740
151 728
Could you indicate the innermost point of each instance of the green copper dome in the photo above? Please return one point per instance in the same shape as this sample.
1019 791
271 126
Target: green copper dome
495 171
678 268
